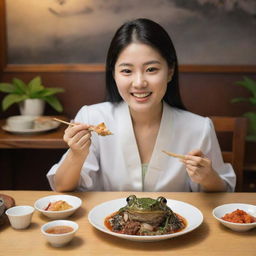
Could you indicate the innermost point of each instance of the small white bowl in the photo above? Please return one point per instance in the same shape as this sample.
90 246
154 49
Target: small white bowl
42 203
21 122
59 240
221 210
20 216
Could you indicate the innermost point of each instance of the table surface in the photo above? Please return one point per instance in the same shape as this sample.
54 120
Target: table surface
210 238
51 139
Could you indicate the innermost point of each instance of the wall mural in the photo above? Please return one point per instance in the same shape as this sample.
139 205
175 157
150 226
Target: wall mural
205 32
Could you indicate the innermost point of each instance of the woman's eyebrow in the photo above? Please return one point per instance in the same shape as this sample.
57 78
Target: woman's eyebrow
125 65
152 62
144 64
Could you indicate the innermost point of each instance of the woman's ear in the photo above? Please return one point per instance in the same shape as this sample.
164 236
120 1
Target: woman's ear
170 74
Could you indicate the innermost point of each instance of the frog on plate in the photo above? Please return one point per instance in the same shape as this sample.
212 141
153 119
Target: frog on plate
145 216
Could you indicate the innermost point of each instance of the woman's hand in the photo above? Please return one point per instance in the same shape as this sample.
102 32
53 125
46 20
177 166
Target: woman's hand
200 170
78 138
197 165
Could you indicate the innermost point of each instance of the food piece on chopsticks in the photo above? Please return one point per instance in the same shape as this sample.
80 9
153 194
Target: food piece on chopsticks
100 129
59 205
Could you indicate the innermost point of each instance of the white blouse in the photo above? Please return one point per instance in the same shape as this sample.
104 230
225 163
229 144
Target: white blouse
113 163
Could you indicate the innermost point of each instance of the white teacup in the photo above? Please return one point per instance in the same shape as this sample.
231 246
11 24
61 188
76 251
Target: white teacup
21 122
20 216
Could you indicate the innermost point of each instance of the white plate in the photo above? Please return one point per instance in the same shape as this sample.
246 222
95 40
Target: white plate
50 125
98 214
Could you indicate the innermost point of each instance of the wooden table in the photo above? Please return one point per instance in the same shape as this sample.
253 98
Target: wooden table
211 238
52 139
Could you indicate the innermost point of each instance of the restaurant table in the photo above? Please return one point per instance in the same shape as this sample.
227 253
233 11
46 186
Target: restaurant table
210 238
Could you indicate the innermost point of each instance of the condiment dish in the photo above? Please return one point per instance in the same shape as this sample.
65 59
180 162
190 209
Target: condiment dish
20 216
42 203
59 239
221 210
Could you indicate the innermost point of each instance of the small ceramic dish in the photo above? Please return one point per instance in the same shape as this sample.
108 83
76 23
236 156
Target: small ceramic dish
221 210
42 203
59 232
20 216
20 122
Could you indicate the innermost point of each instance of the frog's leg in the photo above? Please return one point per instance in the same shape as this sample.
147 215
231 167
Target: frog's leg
172 222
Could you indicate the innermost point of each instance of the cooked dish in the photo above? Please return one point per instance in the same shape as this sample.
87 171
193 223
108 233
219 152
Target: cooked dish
145 217
239 216
59 230
59 205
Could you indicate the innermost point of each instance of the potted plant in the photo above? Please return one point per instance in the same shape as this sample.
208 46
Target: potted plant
250 85
31 97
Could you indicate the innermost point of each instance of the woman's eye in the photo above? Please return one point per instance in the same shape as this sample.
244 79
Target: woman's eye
126 71
152 69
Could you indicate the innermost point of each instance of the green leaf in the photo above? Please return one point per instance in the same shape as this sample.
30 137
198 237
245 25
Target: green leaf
248 84
6 87
54 103
235 100
253 100
35 86
11 99
21 87
252 122
49 92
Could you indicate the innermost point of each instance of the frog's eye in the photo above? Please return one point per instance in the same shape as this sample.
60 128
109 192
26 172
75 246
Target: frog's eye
130 199
162 200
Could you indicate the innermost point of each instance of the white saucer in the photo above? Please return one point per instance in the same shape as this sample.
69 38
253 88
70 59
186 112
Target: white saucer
38 128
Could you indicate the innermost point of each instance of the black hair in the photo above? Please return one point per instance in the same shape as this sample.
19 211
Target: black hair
147 32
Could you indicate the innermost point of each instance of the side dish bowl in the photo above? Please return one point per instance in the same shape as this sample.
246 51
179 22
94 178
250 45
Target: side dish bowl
221 210
59 240
42 203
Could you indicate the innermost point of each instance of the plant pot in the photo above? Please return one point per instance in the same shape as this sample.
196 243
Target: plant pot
32 107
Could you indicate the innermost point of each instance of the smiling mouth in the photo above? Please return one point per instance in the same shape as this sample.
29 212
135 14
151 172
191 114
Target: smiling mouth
141 95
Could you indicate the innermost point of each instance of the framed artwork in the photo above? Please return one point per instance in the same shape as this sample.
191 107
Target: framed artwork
77 33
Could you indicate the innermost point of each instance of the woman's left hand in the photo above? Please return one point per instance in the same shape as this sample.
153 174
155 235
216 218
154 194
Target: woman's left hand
198 166
200 170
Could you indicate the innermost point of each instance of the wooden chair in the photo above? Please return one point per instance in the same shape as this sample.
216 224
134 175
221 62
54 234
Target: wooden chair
237 128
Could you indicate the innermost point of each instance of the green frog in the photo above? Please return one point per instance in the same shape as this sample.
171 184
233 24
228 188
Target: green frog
154 212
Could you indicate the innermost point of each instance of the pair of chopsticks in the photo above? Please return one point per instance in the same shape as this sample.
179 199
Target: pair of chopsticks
173 154
71 124
101 129
62 121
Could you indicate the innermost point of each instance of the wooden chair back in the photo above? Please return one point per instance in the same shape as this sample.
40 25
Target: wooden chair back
237 126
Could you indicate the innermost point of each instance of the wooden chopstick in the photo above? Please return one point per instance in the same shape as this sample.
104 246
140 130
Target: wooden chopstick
68 123
62 121
173 154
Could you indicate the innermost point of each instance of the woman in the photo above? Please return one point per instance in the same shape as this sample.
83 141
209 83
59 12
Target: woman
146 115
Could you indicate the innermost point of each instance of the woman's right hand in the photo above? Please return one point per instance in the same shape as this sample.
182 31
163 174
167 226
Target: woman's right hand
78 138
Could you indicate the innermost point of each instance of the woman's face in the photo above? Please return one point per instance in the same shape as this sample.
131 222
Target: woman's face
141 76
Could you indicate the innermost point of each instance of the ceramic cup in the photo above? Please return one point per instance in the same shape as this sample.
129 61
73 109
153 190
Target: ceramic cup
20 216
20 122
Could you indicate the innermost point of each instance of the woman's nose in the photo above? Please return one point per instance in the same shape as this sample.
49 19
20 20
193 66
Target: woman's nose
139 81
